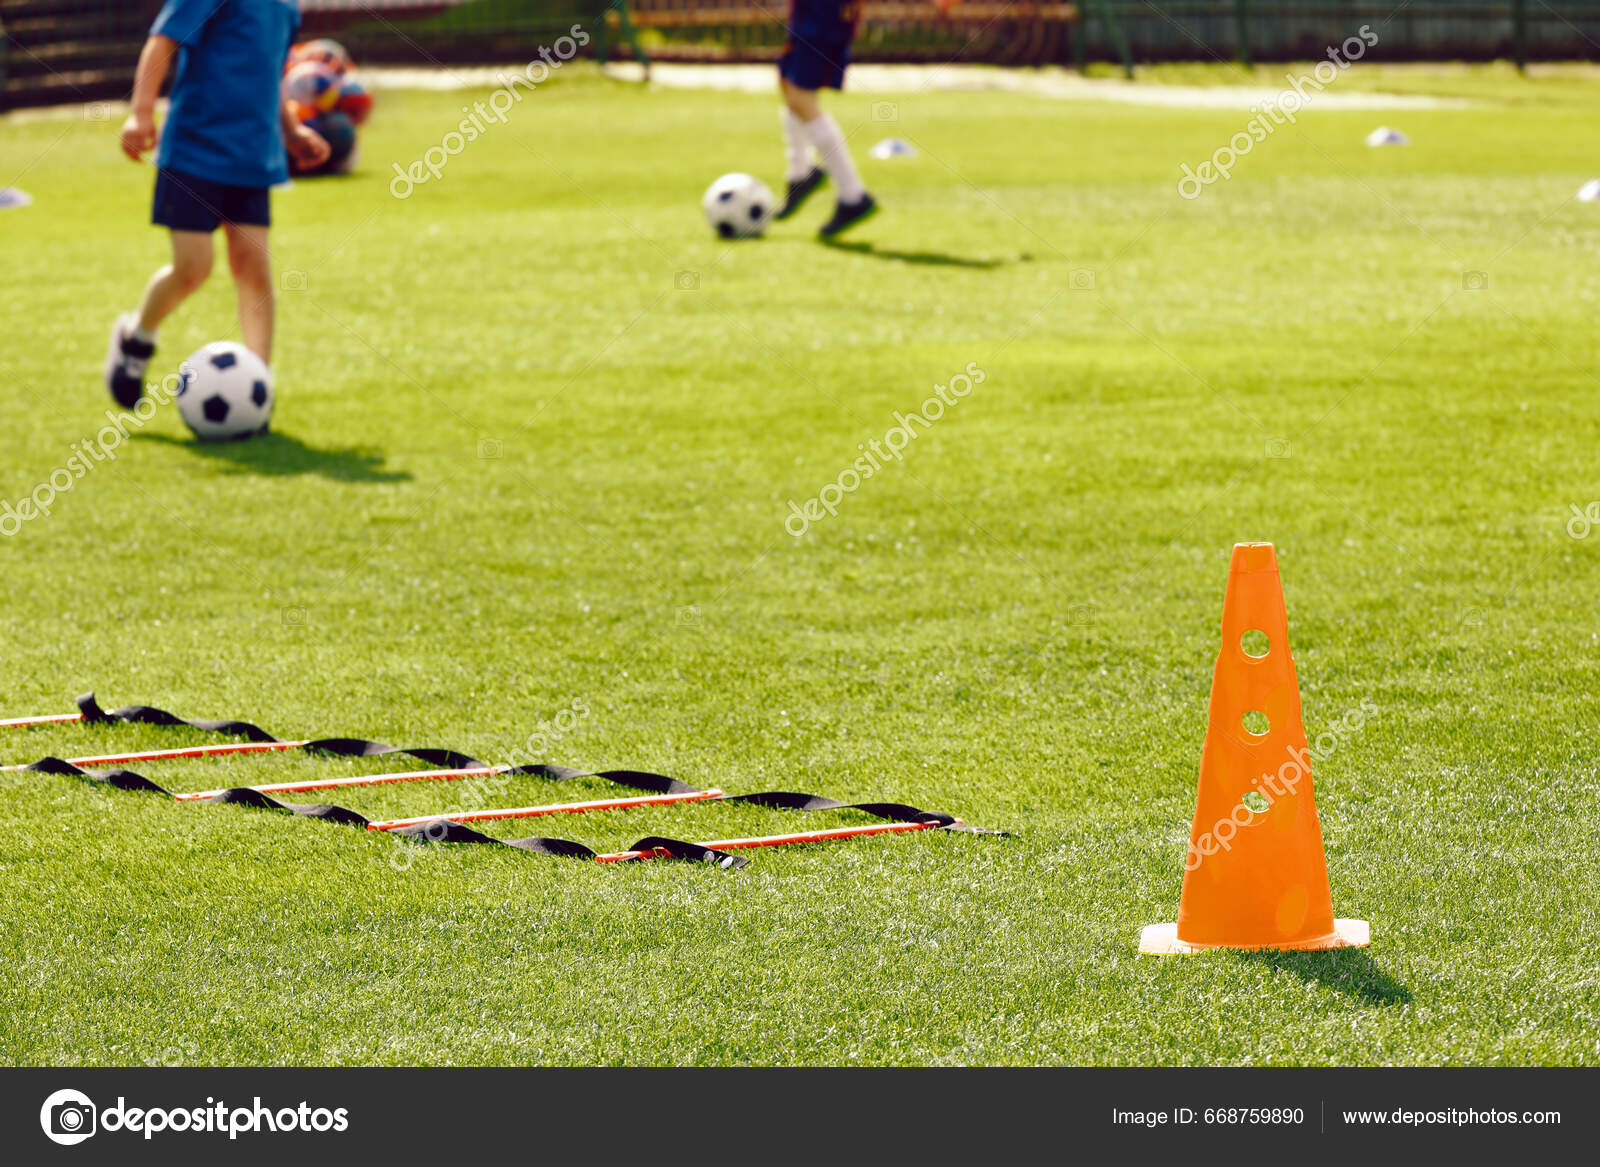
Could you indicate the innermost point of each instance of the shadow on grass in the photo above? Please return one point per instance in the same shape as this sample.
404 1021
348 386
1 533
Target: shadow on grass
1351 971
930 258
276 455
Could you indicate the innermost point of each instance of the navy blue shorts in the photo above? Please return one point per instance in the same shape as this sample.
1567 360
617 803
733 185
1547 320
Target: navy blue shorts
812 66
817 47
186 203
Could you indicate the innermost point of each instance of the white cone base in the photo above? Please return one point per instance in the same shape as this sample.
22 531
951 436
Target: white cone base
1162 940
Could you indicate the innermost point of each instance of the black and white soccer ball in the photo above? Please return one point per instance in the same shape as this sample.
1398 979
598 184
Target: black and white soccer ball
225 392
738 206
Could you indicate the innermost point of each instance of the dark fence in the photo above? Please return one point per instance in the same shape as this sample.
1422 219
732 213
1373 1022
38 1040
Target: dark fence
1285 30
1003 32
69 50
83 50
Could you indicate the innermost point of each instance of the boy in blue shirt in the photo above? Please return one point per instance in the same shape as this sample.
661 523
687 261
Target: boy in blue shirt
222 146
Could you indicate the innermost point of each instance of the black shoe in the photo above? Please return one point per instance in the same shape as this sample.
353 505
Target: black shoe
799 191
127 361
847 215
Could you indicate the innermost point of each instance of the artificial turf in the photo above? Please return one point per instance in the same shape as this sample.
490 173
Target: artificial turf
535 441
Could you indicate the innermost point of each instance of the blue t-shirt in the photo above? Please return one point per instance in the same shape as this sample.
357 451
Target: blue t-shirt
225 120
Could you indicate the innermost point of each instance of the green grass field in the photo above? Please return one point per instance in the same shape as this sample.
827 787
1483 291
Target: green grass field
1015 624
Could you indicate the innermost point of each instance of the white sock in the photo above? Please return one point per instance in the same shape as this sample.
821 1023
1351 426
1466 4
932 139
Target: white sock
796 146
829 140
142 335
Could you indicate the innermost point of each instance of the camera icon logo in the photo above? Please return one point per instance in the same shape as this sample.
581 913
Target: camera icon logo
1583 520
294 617
1081 280
885 111
96 111
68 1117
687 281
1279 448
491 449
1474 281
294 281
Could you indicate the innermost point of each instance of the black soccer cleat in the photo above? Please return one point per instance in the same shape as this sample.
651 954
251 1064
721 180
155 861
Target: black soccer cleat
799 191
847 215
127 361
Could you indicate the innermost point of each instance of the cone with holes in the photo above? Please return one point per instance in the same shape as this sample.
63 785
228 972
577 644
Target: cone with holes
1255 876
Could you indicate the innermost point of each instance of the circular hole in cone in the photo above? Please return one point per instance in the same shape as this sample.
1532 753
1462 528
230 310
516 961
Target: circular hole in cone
1255 723
1255 644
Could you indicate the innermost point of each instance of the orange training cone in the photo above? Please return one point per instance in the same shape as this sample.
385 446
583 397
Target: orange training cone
1255 876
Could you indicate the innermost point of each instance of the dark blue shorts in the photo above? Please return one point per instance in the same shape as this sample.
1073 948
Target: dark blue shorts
813 66
186 203
817 47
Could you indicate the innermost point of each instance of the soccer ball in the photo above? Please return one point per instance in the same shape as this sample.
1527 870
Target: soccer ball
354 101
225 392
326 51
313 88
738 206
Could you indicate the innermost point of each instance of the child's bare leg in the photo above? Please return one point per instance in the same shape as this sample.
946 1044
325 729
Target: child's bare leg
801 102
251 262
133 336
178 280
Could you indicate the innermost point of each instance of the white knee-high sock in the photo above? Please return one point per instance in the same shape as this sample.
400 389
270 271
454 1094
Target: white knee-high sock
829 140
797 147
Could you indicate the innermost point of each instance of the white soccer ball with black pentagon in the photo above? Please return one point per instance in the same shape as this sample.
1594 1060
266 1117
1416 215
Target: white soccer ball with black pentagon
225 392
738 206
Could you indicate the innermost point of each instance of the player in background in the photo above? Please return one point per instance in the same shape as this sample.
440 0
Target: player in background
221 149
815 54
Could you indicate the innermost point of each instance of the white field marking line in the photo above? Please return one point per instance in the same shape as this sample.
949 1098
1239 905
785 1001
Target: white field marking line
1058 83
1053 82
